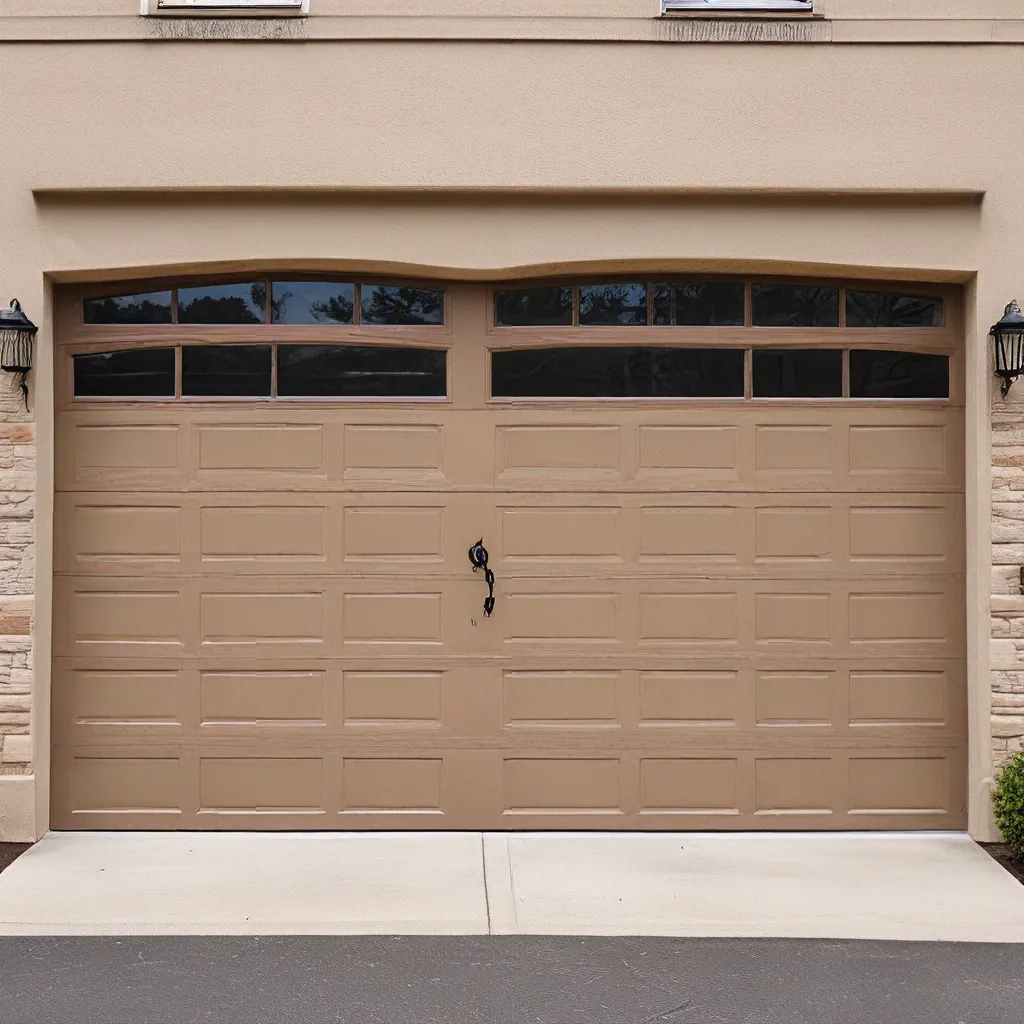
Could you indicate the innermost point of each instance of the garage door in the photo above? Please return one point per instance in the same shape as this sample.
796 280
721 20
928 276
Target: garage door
724 518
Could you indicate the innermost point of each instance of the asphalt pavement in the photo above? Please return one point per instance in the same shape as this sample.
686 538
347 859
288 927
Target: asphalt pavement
505 980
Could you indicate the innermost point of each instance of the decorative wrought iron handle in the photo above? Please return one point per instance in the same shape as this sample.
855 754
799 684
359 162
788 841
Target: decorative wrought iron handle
478 557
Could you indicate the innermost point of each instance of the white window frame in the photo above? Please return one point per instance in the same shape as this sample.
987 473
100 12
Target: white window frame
225 8
668 6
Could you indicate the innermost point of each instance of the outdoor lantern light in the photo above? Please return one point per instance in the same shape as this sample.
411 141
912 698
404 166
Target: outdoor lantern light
17 342
1009 338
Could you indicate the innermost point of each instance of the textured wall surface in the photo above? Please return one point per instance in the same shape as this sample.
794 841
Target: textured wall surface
97 119
17 565
1007 589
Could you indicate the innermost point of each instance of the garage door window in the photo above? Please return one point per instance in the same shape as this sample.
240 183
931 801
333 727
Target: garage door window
789 305
798 373
684 303
618 372
135 373
613 304
887 309
312 302
898 375
360 371
223 304
252 371
704 304
534 307
235 371
140 308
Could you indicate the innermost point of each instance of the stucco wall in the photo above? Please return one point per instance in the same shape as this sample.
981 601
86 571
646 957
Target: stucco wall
318 135
840 9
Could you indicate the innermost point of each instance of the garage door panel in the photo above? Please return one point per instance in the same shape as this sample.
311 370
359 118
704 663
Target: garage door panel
759 535
118 697
118 789
761 447
297 617
124 451
122 617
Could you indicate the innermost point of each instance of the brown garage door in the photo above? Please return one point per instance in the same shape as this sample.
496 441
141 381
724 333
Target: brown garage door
725 520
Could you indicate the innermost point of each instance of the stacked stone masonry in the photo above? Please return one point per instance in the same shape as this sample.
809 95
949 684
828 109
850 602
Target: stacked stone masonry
1007 559
17 581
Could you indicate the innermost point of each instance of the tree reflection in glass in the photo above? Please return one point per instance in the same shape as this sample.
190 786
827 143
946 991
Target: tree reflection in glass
223 304
400 304
312 302
613 304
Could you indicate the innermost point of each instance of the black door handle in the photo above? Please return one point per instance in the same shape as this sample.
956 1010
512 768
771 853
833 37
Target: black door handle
478 558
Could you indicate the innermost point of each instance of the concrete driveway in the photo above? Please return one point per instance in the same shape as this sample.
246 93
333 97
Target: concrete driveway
938 886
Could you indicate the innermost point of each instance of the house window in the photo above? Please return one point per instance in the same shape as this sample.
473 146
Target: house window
225 8
668 6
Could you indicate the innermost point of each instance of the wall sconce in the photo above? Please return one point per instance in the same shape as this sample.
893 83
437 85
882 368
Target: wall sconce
1009 340
17 344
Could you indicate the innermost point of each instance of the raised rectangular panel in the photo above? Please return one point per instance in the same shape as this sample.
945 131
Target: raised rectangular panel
898 449
793 449
898 698
124 697
577 617
393 618
689 618
793 785
261 698
792 534
561 698
125 784
127 446
536 534
264 534
392 784
689 448
390 449
892 784
551 784
554 451
894 618
794 698
688 785
393 534
275 448
392 698
120 532
796 617
130 617
898 533
689 698
693 534
261 784
261 618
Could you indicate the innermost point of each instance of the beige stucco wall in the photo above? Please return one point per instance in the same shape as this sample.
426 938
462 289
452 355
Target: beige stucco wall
839 9
481 159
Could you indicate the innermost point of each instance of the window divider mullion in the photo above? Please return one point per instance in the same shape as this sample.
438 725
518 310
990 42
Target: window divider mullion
846 373
273 370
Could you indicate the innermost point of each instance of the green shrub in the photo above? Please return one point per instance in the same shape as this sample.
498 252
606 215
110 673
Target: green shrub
1008 797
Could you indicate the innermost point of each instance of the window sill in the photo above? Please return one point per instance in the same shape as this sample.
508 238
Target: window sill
223 9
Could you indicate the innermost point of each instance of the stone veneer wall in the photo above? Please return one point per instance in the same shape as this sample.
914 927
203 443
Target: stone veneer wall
1007 559
17 578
